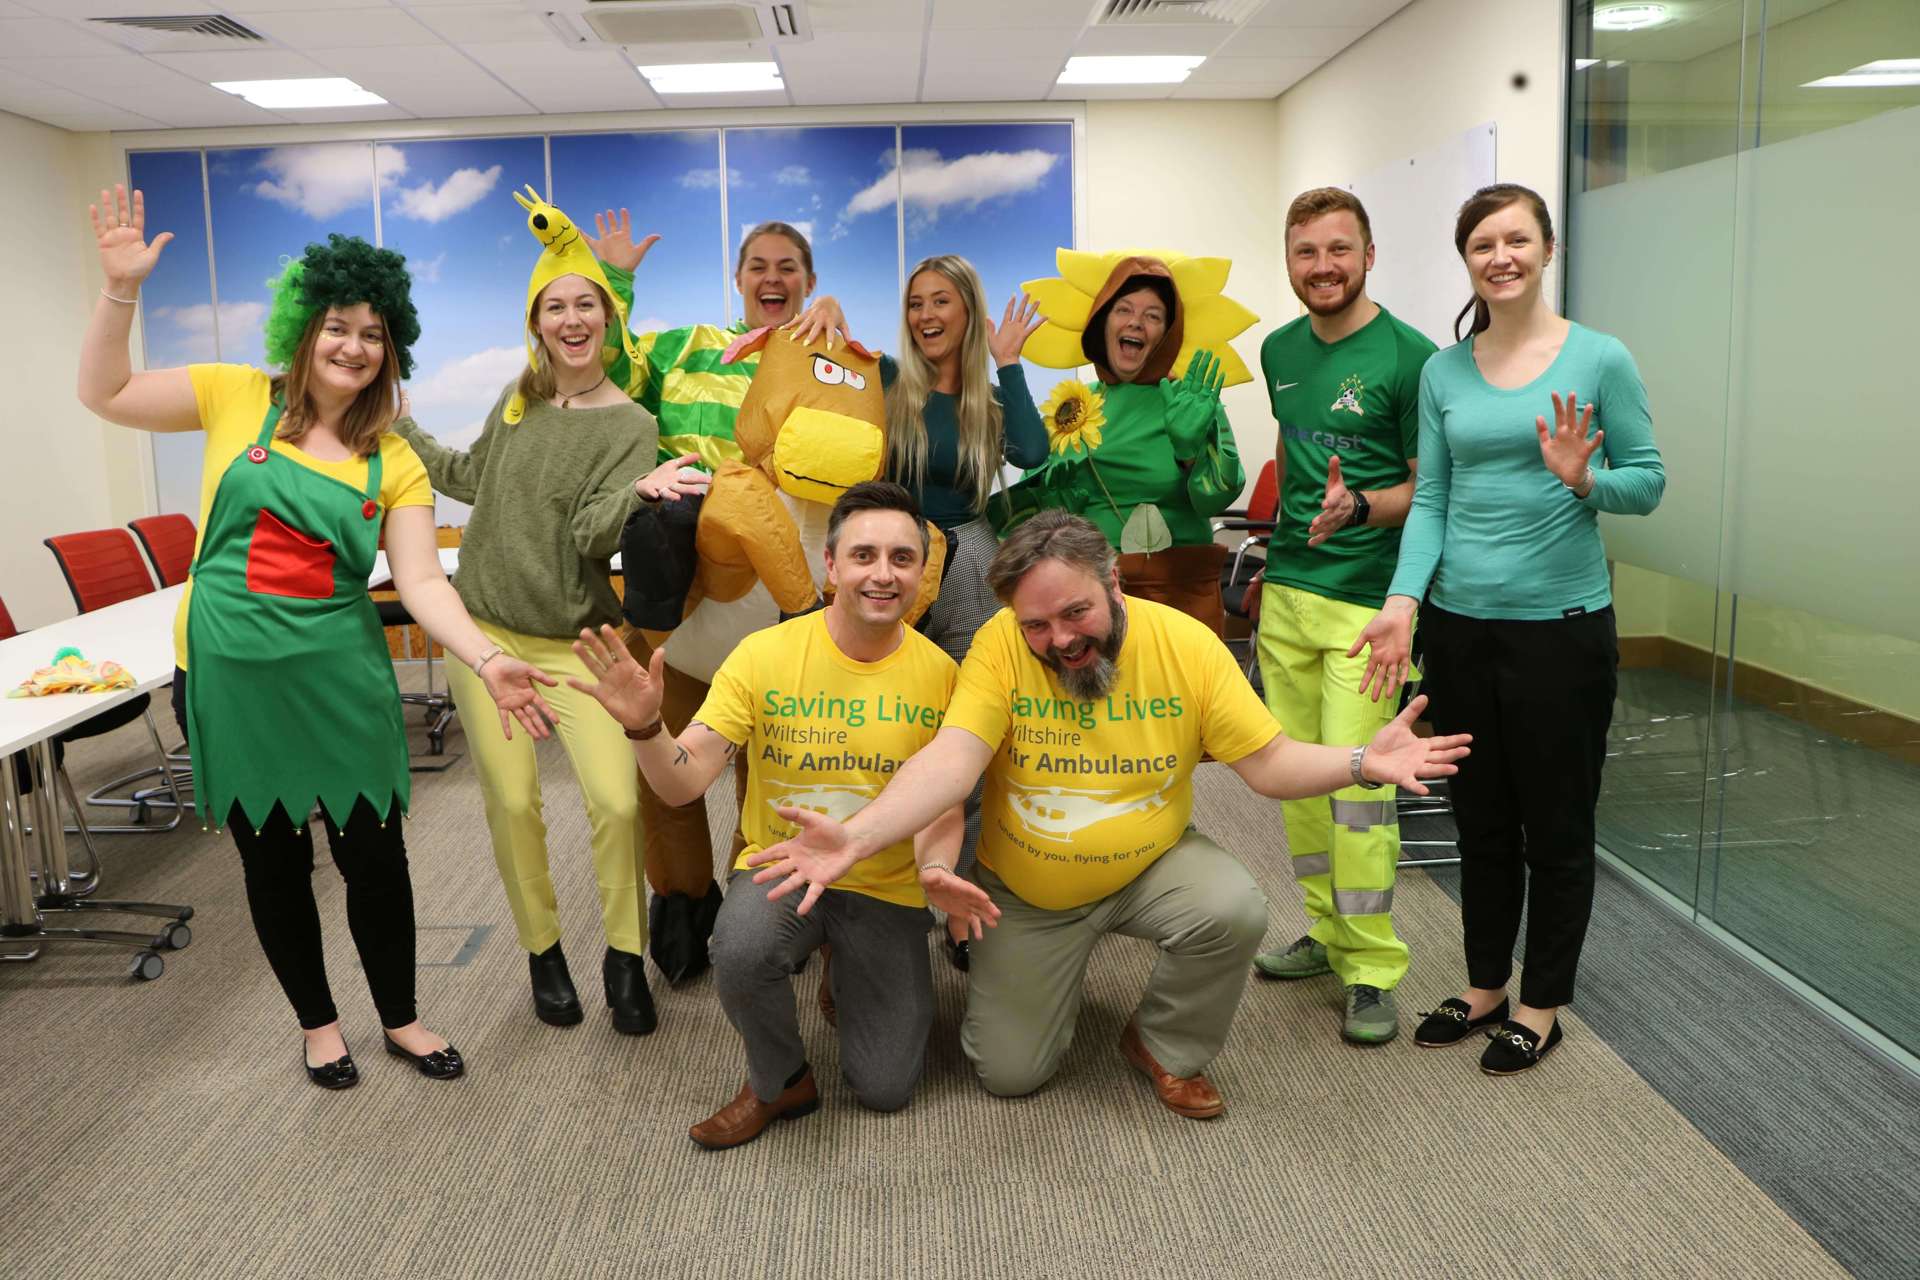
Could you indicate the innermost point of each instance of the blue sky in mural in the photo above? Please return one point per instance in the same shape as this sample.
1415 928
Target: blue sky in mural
826 182
1000 196
670 182
176 305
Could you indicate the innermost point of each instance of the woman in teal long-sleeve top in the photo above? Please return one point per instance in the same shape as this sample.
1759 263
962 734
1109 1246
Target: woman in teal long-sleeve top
1503 543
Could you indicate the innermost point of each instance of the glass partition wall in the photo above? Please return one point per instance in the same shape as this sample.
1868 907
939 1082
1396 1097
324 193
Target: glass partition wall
1743 178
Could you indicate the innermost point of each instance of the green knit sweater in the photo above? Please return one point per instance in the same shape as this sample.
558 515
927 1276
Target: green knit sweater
550 496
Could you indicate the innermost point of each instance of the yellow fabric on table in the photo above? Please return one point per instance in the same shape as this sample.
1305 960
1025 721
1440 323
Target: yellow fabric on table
71 673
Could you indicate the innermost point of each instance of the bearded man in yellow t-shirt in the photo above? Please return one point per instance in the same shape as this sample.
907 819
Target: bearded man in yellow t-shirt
828 706
1088 711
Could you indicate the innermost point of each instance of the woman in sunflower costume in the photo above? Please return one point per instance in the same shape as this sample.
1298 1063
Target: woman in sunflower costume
1146 452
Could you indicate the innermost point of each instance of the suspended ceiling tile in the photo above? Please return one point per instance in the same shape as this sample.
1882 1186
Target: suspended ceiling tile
320 28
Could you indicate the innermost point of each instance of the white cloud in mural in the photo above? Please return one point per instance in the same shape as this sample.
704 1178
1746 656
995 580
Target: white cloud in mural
324 180
427 270
803 226
468 380
929 184
794 175
236 319
463 189
709 179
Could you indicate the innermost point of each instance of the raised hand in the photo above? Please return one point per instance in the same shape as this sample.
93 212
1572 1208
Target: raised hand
1567 449
822 317
1191 400
511 684
1005 339
1399 756
612 241
962 900
120 225
631 694
816 857
1388 640
1336 508
668 481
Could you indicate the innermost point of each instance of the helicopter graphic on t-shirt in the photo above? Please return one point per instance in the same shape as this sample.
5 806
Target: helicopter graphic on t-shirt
838 803
1059 812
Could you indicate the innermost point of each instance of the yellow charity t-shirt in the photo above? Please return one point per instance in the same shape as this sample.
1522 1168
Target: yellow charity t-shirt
1081 797
233 403
827 733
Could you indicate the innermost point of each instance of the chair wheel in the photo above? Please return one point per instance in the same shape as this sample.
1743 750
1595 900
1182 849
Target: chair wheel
177 936
186 913
147 966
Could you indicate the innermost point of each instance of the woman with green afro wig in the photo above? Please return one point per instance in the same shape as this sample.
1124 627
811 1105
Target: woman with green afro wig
339 273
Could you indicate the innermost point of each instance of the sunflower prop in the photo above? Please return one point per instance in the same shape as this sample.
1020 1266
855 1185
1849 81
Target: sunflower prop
1074 417
1066 301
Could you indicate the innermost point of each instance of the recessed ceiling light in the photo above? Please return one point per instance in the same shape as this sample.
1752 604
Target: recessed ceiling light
1886 73
1581 64
1155 69
714 77
299 95
1629 17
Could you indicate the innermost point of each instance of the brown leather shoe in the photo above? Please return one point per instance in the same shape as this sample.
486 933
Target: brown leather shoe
740 1121
1190 1096
827 1008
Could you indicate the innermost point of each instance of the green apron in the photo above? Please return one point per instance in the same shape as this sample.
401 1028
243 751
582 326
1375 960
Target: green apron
291 696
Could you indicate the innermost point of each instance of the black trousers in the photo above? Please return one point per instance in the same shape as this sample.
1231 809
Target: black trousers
1537 698
277 860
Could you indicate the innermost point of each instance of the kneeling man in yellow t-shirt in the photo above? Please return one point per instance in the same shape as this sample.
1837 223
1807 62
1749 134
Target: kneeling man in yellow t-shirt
828 707
1088 711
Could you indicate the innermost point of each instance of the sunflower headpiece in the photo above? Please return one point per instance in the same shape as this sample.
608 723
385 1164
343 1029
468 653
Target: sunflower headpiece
1211 318
343 271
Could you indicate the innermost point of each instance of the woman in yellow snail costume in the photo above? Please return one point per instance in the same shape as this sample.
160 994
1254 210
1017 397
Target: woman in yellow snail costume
1146 452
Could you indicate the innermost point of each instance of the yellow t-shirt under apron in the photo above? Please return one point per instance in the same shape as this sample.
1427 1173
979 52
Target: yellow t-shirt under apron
233 402
1082 797
827 733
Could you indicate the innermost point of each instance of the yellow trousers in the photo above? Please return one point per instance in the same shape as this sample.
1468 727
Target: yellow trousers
510 781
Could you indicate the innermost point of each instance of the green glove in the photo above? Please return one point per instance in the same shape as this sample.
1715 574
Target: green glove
1190 403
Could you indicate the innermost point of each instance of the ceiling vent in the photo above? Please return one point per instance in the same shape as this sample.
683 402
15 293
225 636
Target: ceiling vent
676 28
1225 13
177 33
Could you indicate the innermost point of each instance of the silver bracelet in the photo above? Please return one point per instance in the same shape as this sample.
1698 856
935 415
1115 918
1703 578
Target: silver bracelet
114 297
1587 480
1356 766
936 866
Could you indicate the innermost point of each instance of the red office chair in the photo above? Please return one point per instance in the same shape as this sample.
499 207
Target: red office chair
1256 520
168 541
103 567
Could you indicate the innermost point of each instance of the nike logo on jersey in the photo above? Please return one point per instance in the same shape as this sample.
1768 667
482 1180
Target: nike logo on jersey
1282 386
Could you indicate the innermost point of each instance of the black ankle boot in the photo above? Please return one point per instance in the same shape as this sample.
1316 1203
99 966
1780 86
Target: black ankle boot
679 926
627 993
555 1001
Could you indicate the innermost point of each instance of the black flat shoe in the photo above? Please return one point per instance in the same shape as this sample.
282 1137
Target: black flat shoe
959 954
338 1074
625 975
678 927
1516 1047
555 1002
1450 1023
441 1064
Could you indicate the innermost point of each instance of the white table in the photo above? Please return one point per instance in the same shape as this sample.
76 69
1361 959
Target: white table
137 634
382 576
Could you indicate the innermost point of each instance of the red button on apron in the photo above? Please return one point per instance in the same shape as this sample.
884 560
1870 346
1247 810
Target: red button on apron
369 508
256 454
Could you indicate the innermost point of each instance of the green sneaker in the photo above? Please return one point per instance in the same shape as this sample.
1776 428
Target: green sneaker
1372 1017
1304 959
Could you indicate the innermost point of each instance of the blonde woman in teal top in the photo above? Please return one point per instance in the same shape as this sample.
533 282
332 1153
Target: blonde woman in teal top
1503 544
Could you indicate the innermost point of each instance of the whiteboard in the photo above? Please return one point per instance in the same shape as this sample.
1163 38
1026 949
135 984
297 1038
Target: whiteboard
1412 204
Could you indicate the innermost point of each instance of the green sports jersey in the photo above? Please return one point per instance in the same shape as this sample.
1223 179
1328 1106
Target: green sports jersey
1358 398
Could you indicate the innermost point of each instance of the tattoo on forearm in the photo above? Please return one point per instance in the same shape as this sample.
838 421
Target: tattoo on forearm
679 755
732 747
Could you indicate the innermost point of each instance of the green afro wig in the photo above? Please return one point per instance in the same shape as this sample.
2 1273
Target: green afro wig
343 271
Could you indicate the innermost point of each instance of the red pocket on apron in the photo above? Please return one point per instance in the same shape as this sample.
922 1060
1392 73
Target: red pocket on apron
282 561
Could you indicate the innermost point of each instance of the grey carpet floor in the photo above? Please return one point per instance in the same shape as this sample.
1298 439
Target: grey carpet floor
167 1126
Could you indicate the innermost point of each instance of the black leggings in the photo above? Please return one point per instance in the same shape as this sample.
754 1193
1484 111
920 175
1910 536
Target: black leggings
1537 698
277 859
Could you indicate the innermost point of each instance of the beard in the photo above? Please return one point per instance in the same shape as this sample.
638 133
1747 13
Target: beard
1347 295
1095 679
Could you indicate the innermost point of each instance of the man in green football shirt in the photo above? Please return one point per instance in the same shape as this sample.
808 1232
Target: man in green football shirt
1344 381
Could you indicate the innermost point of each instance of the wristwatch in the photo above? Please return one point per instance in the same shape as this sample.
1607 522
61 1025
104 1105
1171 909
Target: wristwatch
1354 764
1361 508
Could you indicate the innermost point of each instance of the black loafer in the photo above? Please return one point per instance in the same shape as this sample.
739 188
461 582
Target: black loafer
555 1002
625 976
959 954
1451 1023
1516 1047
441 1064
338 1074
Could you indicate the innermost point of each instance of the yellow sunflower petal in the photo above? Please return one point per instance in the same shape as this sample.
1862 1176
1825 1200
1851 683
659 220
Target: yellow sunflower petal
1198 277
1215 319
1060 303
1052 347
1232 368
1085 271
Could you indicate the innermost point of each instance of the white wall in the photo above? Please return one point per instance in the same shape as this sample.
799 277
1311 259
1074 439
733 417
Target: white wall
65 469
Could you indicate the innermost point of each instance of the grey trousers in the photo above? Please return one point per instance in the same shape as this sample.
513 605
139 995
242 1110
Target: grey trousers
1196 903
882 986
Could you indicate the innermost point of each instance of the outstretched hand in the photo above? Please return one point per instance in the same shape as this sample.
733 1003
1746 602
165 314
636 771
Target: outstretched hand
630 693
1567 449
817 856
1388 640
612 241
120 225
1006 339
1192 399
1400 757
511 684
962 900
1336 507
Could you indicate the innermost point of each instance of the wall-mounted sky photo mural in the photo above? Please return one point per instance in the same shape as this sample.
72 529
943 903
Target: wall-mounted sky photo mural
874 199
